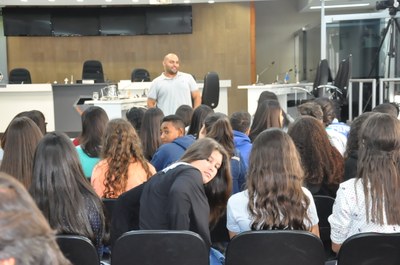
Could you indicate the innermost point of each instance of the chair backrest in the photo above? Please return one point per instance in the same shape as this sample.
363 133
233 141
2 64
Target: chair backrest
324 206
140 75
371 249
78 249
276 247
210 94
93 70
342 78
109 207
219 233
19 76
322 77
153 247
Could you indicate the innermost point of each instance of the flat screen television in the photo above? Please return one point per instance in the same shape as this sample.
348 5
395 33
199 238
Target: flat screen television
120 21
75 22
169 20
26 22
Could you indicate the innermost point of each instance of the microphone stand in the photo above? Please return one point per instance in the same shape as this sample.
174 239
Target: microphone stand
262 72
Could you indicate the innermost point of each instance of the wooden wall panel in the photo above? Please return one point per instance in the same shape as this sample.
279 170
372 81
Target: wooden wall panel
220 42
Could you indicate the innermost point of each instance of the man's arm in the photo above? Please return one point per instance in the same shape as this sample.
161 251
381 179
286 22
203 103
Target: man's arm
196 96
151 103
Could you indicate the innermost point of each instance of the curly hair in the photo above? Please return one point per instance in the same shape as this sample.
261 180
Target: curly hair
274 181
121 147
322 163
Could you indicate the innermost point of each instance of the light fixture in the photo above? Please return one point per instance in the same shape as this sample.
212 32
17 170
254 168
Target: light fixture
24 1
108 1
79 0
51 0
340 6
186 1
211 1
135 1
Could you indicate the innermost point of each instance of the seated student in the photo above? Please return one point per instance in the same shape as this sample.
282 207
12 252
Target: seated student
268 115
190 194
275 198
370 202
19 142
199 114
94 122
218 127
240 122
389 108
25 236
312 109
62 193
185 112
174 140
337 131
351 154
135 116
150 131
123 165
322 163
37 116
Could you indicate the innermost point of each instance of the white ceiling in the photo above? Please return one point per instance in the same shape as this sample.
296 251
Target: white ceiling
302 5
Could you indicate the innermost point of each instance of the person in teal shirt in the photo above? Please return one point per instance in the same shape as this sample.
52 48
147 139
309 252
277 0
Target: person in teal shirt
94 121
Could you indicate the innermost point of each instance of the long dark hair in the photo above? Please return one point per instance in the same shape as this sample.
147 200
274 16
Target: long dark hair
218 127
274 181
150 131
267 115
20 140
61 190
354 134
94 121
219 188
378 168
199 114
322 163
25 234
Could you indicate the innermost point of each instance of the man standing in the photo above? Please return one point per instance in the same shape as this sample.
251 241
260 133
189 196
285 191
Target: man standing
173 88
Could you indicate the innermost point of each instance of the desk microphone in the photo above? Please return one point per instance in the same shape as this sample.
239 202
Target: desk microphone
286 78
263 71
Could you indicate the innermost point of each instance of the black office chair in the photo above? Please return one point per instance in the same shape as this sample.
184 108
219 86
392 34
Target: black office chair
371 249
140 75
19 76
322 78
126 213
324 206
153 247
210 94
275 247
338 89
109 208
78 249
93 70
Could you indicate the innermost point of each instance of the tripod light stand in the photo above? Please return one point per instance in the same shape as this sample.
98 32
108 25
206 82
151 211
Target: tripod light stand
392 26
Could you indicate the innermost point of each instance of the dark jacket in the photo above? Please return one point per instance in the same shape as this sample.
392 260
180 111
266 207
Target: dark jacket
169 153
175 199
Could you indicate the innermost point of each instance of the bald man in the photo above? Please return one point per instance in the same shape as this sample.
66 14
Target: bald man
173 88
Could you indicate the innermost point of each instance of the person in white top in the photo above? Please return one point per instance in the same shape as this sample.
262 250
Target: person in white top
173 88
275 198
370 202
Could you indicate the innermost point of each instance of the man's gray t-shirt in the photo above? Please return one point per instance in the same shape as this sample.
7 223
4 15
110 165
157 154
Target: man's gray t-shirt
170 93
